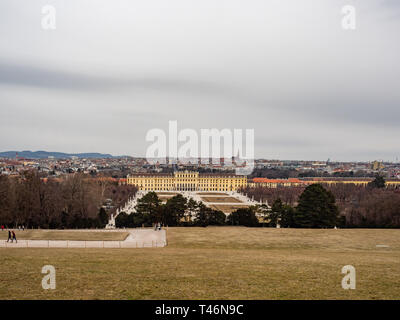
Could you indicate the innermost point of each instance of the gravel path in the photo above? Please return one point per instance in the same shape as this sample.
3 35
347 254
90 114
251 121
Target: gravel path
138 238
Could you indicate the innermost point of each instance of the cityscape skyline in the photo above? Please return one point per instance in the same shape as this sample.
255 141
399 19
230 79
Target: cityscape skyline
44 154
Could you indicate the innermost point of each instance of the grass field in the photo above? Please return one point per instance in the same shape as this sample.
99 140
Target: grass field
227 208
215 263
65 235
221 199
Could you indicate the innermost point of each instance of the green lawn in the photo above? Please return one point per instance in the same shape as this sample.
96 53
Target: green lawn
215 263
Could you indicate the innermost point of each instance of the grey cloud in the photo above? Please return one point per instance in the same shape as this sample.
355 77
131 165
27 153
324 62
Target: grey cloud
25 75
285 68
28 75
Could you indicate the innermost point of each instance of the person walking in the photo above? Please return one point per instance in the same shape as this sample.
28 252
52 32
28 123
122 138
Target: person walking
14 237
9 236
2 228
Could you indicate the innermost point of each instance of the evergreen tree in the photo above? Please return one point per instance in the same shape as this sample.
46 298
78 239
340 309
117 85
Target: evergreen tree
149 208
207 217
276 212
281 213
378 182
102 217
216 218
202 215
316 208
174 210
244 217
122 220
287 217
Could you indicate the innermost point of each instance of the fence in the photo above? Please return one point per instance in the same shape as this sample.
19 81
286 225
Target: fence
82 244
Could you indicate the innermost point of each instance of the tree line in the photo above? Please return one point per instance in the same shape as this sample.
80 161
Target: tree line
72 201
77 201
316 209
177 211
285 173
373 206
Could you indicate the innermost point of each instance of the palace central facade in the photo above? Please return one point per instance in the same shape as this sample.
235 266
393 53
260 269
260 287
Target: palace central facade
187 181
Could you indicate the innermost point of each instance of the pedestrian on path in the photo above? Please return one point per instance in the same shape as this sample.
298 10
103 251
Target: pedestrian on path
9 236
2 228
14 237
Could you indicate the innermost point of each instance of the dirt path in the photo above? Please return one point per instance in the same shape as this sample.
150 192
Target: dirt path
138 238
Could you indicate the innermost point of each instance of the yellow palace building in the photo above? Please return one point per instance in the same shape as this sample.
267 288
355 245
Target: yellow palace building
187 181
195 181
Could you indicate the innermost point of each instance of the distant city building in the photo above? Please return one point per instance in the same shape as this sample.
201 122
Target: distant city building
377 165
274 183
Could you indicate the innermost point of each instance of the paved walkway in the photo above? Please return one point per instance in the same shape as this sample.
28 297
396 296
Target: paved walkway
137 238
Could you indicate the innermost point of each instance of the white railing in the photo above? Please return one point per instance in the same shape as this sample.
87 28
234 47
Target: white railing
82 244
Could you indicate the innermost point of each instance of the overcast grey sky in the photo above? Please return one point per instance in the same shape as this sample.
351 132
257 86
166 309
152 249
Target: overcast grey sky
112 70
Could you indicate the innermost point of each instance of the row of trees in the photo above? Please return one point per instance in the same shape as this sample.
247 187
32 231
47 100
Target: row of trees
373 206
316 209
74 201
177 211
284 173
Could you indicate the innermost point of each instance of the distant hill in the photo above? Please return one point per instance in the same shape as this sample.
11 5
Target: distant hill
58 155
